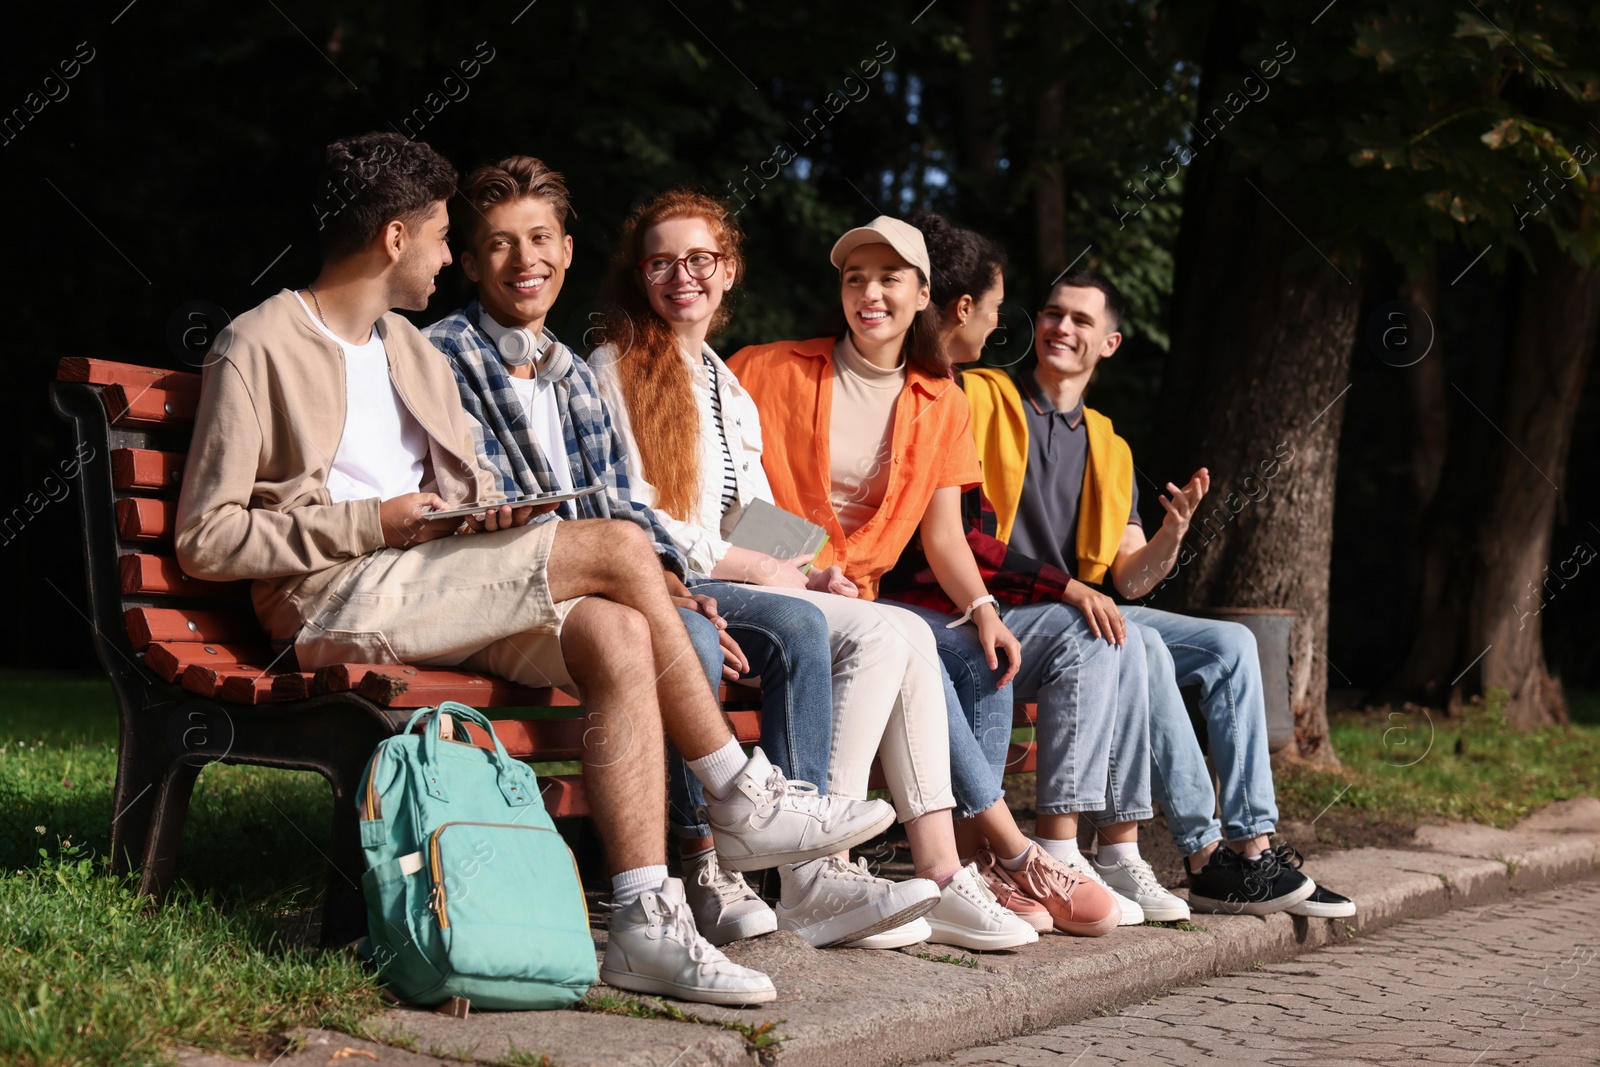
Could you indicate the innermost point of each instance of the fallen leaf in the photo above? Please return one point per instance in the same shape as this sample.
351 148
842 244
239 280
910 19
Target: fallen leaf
349 1053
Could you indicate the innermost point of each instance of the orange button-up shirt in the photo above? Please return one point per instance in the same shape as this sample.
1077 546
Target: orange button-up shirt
930 448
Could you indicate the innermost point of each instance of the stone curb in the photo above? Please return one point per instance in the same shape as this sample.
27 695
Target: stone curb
884 1008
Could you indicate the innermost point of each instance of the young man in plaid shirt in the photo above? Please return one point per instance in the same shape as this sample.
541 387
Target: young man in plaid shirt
543 426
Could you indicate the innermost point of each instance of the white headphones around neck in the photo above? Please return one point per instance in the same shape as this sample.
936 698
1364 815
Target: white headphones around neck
518 346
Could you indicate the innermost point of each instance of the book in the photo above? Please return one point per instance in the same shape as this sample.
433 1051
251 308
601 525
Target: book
765 527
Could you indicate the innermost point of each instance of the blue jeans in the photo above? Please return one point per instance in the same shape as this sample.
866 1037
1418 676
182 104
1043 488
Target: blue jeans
1093 725
1221 658
786 642
979 713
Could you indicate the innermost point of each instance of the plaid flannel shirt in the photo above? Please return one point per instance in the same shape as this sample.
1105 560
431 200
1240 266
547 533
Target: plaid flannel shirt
505 439
1009 576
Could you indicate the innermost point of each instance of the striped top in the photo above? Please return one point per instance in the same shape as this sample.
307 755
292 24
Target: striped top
730 484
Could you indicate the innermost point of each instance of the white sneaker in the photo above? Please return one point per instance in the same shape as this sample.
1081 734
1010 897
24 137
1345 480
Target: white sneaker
828 901
725 908
912 933
1135 879
655 948
767 820
1132 913
968 915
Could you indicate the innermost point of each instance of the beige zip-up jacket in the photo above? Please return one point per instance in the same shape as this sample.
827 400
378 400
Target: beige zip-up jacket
255 501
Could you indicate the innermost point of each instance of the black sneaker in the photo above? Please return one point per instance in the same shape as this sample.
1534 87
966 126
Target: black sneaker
1233 885
1323 903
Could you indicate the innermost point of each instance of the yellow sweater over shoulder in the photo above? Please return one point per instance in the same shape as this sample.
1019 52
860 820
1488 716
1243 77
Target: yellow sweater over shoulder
1000 432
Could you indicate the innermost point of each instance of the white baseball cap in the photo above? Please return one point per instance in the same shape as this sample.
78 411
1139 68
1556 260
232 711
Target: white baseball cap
903 237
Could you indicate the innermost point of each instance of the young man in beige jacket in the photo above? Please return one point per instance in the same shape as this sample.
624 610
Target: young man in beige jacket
329 429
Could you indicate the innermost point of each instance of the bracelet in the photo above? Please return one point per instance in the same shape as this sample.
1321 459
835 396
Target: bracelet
974 606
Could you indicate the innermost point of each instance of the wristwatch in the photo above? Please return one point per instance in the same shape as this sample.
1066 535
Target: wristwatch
966 616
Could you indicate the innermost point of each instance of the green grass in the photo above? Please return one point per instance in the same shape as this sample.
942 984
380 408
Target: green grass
89 973
1415 765
92 975
959 959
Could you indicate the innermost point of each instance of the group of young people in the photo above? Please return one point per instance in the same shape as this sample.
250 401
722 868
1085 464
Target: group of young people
969 519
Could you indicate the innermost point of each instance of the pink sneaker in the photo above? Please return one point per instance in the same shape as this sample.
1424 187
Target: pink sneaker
1076 904
1010 897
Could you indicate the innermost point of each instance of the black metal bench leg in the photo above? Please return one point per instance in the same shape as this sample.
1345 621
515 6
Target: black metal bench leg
141 769
166 829
344 909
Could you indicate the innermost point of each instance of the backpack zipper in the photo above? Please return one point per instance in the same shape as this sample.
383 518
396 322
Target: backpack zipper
372 794
437 901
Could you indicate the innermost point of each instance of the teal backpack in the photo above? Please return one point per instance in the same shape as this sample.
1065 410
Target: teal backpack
470 890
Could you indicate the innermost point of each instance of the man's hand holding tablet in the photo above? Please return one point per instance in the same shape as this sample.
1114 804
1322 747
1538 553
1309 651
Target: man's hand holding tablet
416 517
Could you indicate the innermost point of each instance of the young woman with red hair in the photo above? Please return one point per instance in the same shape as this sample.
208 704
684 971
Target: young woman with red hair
695 448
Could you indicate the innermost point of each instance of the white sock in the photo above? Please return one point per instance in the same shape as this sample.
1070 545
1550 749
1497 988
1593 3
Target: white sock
719 770
1014 863
1110 855
1065 851
626 887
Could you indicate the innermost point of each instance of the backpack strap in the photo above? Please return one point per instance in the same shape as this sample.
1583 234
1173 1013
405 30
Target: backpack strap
512 776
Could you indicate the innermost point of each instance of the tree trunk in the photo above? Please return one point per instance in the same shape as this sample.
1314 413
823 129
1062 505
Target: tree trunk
1557 318
1049 182
977 92
1258 368
1490 567
1263 330
1428 438
1427 421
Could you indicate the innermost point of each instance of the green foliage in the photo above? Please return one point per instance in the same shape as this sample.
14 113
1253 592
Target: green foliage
1423 123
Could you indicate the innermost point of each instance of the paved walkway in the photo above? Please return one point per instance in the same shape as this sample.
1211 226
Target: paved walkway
1511 983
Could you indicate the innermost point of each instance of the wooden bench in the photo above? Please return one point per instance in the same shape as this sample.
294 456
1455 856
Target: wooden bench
197 682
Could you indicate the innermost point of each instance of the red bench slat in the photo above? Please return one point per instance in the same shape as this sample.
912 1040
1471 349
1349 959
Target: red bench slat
146 519
236 684
738 695
148 625
143 573
206 679
144 406
170 659
245 688
1021 757
563 795
562 739
414 687
146 468
109 372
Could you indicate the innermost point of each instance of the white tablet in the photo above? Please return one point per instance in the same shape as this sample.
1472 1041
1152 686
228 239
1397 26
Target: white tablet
515 502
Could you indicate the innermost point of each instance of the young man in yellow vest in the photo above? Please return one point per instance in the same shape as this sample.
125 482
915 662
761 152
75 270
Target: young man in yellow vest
1060 508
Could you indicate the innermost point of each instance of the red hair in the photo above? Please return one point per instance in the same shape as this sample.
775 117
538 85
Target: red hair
652 372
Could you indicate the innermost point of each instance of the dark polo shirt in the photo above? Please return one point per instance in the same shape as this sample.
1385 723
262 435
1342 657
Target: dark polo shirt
1046 527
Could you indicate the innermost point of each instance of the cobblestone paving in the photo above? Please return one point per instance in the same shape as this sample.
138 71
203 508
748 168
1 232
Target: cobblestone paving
1515 983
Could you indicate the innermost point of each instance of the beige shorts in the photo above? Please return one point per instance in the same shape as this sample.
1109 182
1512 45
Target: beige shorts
480 602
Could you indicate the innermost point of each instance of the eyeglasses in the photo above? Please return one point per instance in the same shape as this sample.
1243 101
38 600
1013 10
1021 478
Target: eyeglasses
699 263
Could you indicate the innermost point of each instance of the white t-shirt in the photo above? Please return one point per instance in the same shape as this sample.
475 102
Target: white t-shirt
539 407
383 447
